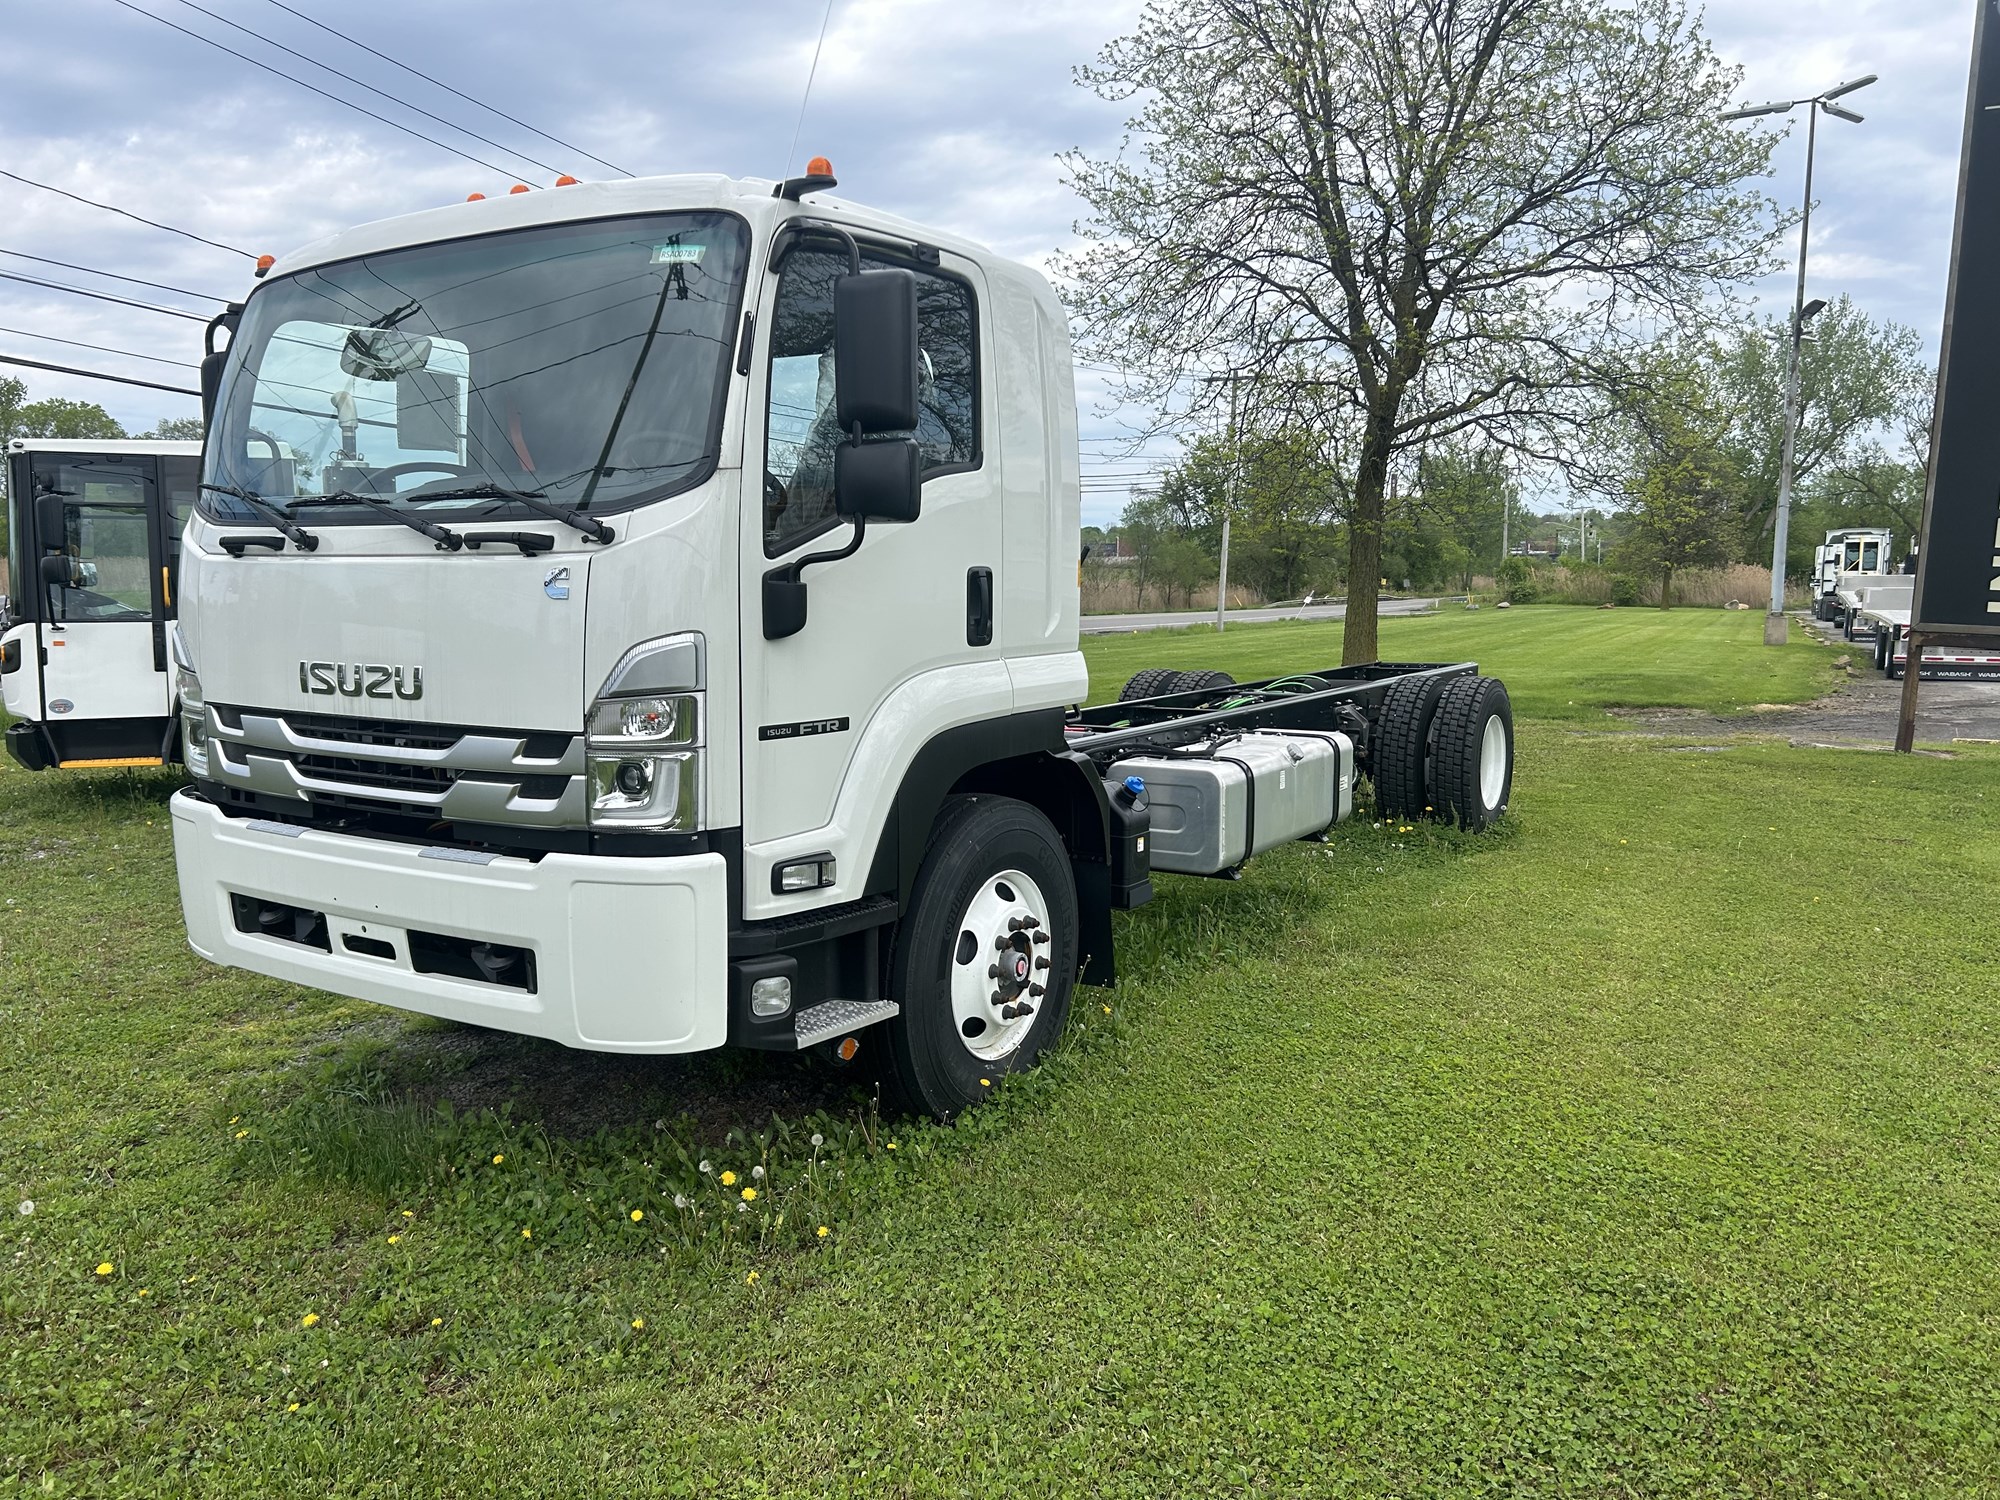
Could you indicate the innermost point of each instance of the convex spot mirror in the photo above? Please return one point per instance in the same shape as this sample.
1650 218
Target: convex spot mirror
383 353
876 366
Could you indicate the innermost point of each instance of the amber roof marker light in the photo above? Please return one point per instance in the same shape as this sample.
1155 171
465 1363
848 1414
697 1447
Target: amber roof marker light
819 177
264 264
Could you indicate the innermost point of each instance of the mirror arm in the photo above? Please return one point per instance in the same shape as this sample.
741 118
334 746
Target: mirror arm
790 571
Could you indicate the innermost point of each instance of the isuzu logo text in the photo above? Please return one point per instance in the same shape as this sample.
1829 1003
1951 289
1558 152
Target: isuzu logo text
360 680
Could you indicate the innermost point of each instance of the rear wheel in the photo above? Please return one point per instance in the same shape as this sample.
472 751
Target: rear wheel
1399 754
1472 764
1150 683
986 957
1200 682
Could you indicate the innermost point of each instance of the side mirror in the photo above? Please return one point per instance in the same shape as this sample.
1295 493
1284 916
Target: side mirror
880 481
59 568
211 384
51 522
875 351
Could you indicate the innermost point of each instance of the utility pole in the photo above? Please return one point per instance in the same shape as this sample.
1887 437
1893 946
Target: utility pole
1228 498
1774 622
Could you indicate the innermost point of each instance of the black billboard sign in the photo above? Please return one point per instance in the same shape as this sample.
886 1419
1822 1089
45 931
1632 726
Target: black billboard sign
1958 563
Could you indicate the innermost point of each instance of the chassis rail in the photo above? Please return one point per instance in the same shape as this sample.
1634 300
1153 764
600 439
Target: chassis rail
1185 718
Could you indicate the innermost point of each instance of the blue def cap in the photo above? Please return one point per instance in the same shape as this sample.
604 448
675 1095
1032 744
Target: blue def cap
1136 785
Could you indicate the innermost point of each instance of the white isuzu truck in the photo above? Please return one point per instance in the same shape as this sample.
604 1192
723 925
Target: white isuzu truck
644 615
93 543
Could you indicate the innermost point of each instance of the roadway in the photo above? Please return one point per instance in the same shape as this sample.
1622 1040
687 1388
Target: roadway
1115 624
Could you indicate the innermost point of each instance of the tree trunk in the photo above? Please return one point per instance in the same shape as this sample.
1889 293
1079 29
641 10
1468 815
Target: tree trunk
1358 643
1666 588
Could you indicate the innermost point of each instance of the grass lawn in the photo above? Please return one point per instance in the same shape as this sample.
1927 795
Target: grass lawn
1557 1161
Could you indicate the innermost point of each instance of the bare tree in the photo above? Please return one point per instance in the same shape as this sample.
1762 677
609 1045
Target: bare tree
1408 218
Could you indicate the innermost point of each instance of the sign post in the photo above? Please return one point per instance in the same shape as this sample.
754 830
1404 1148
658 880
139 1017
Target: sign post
1958 555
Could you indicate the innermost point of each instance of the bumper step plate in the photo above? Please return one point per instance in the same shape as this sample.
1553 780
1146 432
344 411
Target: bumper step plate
836 1018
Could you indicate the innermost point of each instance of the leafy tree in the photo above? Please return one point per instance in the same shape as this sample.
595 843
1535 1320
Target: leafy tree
1411 218
1460 494
176 430
1686 499
1282 500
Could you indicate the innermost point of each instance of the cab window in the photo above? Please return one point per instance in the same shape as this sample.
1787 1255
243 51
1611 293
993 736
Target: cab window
104 531
800 431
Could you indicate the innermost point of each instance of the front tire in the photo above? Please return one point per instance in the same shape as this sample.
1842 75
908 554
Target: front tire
986 958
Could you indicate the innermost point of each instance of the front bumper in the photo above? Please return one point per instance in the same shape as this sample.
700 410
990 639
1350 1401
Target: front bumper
629 955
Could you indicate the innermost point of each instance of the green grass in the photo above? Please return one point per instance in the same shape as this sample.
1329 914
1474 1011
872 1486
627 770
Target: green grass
1412 1164
1560 662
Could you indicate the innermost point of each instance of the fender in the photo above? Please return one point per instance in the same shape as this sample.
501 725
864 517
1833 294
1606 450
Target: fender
1021 756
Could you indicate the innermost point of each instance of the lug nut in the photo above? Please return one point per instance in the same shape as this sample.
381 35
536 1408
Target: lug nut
993 971
1041 960
1002 944
1037 990
1041 937
1008 1012
1024 1009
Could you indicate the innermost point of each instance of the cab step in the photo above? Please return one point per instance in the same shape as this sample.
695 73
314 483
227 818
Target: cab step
836 1018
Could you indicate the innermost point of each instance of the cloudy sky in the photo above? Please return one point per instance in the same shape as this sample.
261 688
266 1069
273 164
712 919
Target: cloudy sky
949 111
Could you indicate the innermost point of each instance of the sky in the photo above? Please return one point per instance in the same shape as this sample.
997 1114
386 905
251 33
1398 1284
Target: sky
950 112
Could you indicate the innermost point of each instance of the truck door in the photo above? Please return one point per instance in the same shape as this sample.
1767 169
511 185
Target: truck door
103 643
913 601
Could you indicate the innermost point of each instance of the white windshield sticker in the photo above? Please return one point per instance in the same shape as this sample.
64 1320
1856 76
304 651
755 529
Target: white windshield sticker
678 255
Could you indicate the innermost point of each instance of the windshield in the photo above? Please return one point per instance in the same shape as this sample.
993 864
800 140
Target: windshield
585 362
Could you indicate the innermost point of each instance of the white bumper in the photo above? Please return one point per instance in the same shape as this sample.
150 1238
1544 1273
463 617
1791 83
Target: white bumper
630 954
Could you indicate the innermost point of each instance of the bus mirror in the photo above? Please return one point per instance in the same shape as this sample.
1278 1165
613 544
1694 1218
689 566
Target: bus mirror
211 384
51 522
59 568
875 351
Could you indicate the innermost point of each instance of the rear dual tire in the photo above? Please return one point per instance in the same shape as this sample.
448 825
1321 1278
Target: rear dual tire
1158 682
1444 749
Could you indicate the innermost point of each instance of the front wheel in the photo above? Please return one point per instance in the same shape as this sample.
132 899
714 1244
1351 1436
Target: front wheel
986 957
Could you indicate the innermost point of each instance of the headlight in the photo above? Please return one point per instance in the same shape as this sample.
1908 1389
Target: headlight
645 738
660 792
194 721
674 720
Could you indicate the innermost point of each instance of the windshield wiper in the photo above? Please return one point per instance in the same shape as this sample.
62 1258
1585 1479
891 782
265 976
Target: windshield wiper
304 540
447 540
535 500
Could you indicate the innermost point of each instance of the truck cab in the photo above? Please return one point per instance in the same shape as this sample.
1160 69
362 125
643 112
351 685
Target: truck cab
94 531
1848 556
644 615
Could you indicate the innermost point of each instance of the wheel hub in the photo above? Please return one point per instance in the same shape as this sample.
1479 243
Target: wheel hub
994 999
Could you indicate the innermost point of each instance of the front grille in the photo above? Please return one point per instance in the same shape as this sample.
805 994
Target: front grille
429 771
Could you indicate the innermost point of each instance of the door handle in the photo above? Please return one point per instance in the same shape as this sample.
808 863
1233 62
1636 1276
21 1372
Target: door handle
979 607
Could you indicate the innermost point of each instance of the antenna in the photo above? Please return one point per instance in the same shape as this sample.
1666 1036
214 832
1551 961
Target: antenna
792 151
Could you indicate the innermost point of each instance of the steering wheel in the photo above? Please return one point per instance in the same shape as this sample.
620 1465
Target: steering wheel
418 466
776 499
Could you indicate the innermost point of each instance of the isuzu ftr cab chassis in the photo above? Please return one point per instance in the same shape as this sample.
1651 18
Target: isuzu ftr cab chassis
644 615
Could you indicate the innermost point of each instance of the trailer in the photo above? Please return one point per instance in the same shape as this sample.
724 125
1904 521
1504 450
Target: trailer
1860 597
644 615
1890 628
94 536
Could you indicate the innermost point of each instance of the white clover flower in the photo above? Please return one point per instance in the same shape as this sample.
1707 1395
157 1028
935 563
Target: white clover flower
27 1207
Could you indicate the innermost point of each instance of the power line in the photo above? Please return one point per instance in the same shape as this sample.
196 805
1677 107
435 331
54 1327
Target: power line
141 218
380 93
37 364
61 286
313 88
158 286
438 83
50 338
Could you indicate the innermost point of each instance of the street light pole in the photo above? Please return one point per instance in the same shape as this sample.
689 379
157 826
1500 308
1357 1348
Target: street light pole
1228 505
1775 629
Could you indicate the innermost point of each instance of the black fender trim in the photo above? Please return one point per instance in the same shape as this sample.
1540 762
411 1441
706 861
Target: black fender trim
1021 756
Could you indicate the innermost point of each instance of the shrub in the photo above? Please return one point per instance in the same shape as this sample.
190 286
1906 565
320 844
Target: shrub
1624 591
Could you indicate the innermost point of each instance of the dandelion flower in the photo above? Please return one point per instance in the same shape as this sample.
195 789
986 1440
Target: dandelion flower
818 1139
680 1200
234 1118
751 1279
27 1207
743 1208
1107 1010
437 1322
638 1322
638 1214
526 1233
757 1173
145 1291
241 1133
823 1231
293 1407
892 1145
706 1168
1624 841
105 1268
727 1179
749 1195
409 1213
309 1320
395 1239
498 1157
